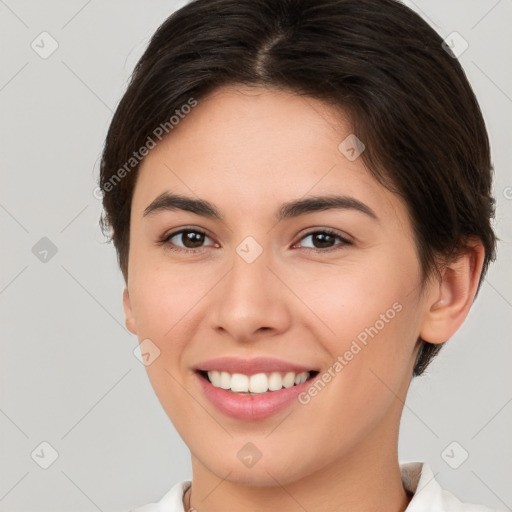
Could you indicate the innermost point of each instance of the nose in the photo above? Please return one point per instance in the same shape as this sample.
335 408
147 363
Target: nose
251 300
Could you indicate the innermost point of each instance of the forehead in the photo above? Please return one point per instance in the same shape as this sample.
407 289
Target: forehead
251 147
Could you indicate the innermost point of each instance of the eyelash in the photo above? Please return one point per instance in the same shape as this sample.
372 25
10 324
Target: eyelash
327 231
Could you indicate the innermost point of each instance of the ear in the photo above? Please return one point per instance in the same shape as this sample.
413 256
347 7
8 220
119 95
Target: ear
451 298
129 320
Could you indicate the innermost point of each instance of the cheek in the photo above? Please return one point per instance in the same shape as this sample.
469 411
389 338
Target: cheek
371 312
163 299
350 297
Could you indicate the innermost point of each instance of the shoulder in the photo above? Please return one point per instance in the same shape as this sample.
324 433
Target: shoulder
172 501
428 494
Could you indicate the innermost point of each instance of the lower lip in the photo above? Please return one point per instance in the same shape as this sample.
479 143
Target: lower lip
251 407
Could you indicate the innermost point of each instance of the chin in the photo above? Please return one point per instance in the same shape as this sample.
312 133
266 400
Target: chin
269 473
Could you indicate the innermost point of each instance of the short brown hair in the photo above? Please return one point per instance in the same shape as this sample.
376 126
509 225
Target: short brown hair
406 95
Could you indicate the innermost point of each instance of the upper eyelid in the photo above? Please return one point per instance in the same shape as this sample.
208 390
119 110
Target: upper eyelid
332 231
172 234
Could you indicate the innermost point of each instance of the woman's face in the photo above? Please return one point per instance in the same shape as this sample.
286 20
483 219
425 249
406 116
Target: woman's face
268 282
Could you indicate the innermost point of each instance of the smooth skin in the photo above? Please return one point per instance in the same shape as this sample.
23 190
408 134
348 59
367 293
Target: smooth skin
247 151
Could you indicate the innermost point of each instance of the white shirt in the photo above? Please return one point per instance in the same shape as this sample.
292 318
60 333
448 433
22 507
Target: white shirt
417 477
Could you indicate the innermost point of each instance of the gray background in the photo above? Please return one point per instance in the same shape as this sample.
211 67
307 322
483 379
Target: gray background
68 373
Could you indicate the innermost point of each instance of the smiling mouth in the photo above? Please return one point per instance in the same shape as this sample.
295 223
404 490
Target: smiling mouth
256 384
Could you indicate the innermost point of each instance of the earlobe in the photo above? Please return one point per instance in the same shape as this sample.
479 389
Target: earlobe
129 320
451 298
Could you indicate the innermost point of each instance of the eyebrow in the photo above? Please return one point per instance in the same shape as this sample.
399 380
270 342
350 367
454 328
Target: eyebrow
170 202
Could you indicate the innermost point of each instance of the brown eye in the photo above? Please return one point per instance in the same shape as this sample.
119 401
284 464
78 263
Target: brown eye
325 239
187 240
192 239
322 240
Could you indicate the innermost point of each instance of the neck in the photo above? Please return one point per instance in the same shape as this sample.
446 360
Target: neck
368 479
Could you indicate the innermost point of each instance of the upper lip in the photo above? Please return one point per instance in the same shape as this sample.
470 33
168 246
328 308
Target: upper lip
251 366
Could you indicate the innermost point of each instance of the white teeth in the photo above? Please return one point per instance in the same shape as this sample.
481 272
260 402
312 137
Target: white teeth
257 383
225 380
239 382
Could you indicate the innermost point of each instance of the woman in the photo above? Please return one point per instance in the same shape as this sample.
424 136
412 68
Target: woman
299 196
